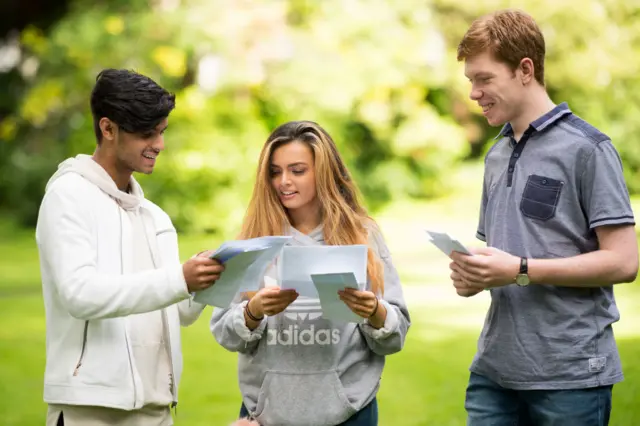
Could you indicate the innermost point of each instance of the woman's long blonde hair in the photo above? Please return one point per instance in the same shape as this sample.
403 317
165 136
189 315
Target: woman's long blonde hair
344 219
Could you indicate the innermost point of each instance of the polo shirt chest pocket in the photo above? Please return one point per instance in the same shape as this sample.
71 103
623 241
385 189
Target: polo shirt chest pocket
540 197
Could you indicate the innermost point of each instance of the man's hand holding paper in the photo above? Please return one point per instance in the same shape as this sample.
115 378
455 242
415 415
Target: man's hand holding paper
456 251
200 272
487 268
244 264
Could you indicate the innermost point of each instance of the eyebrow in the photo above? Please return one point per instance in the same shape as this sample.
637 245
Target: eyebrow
154 130
481 74
299 163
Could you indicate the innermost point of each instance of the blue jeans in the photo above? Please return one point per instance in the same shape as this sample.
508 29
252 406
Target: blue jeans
368 416
489 404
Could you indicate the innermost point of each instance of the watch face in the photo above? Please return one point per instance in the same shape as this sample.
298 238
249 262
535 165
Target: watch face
522 279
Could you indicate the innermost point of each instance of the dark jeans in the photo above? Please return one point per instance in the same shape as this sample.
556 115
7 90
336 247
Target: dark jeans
489 404
368 416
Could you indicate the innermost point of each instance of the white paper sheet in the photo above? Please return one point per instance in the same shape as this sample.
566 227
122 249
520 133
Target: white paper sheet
299 263
245 262
446 243
327 286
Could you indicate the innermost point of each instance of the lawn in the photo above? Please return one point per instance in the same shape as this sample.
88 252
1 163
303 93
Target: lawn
422 385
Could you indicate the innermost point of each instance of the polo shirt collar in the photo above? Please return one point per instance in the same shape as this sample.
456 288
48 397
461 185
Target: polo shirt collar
540 123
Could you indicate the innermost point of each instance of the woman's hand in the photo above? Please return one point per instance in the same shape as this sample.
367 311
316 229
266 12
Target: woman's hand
268 301
364 304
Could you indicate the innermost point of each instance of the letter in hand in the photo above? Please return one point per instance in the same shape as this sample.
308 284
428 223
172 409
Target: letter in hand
271 301
362 303
487 268
201 272
365 304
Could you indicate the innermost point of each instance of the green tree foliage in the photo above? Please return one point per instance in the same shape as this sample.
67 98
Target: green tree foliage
380 76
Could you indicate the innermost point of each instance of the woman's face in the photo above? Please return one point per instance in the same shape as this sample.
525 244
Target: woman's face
293 177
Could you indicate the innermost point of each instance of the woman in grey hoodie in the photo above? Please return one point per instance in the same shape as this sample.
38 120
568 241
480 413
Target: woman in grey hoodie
296 368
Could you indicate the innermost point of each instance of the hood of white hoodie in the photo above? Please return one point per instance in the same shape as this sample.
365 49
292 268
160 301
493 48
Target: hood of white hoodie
85 166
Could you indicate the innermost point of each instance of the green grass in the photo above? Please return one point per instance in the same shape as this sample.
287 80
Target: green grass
422 385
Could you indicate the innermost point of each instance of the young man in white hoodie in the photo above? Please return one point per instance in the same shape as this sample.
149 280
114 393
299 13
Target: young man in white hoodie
114 290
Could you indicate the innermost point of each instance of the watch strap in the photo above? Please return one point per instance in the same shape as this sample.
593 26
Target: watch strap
524 265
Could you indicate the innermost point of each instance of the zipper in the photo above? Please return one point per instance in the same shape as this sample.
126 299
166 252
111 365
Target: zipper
165 327
126 337
165 323
84 345
133 378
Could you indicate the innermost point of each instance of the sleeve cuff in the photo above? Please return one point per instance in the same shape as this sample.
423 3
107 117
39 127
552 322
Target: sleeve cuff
612 220
241 328
177 281
193 305
390 326
481 236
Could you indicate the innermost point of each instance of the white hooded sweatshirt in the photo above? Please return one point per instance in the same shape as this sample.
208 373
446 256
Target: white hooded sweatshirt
111 279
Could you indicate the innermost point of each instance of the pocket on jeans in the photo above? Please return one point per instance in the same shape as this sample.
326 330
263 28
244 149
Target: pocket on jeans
299 399
540 197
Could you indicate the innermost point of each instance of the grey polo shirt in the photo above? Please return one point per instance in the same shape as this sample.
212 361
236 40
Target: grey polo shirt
542 198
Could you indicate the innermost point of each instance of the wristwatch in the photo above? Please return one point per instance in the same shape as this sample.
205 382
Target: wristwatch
522 279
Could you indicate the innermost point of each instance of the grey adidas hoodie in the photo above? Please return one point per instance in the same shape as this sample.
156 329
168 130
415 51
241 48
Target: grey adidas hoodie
298 369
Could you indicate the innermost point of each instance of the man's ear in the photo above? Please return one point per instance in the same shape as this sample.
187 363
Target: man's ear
108 128
527 71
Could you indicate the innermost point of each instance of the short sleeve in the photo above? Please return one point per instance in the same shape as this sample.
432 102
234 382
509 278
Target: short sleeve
603 191
481 232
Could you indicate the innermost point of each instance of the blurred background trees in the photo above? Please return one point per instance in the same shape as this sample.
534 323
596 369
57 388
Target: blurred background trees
380 75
